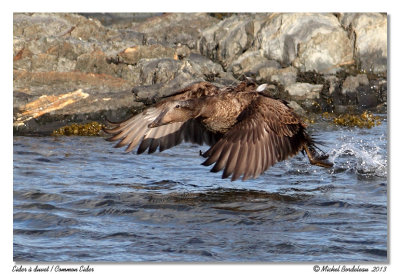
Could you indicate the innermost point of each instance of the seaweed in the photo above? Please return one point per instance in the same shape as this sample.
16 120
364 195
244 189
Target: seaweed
363 120
89 129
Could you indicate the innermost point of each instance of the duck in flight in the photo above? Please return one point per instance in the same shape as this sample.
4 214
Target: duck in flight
247 130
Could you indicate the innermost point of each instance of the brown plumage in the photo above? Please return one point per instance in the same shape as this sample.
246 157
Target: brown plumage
248 131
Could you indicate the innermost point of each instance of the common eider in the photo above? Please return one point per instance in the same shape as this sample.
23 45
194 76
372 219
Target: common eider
247 130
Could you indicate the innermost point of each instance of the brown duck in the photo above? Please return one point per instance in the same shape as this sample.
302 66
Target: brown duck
248 131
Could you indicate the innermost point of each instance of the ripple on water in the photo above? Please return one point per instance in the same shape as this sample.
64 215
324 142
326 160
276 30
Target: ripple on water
78 199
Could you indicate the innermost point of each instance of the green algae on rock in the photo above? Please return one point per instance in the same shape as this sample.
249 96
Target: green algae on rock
89 129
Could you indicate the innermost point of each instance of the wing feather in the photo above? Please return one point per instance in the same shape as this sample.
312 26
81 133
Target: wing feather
221 162
136 132
231 162
267 131
241 162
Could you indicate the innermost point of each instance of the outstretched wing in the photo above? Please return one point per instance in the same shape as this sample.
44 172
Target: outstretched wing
135 130
267 131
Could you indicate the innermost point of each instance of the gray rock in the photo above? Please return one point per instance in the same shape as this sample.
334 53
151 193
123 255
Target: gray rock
369 30
297 108
250 63
55 55
173 28
308 41
156 71
286 76
162 77
119 18
44 62
351 83
35 26
208 70
95 62
304 90
227 40
54 83
134 54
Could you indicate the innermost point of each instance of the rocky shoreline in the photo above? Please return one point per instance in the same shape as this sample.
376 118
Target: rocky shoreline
78 68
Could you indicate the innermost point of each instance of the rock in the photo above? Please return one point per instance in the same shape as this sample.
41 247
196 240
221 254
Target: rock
346 93
366 97
181 51
297 108
36 109
44 62
227 40
57 54
45 104
333 83
173 28
50 83
283 76
162 77
42 115
369 32
250 63
37 25
158 70
325 53
119 18
209 71
351 83
286 76
134 54
95 62
308 41
304 90
380 86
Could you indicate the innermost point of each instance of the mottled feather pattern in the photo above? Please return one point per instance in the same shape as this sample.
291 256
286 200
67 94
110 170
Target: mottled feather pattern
248 131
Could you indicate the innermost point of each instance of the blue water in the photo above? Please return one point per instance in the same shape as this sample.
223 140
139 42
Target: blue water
80 199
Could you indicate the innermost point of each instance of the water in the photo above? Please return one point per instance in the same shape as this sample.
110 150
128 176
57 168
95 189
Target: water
79 199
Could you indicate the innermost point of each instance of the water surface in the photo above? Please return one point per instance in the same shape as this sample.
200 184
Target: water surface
79 199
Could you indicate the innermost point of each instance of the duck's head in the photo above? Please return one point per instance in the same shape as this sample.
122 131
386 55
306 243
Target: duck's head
176 111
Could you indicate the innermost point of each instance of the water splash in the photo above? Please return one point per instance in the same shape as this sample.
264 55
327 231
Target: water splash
360 157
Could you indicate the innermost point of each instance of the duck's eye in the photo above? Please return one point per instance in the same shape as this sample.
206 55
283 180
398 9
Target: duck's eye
177 106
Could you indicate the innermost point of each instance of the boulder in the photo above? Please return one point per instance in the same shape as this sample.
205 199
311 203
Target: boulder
304 90
369 32
285 77
309 41
351 83
250 63
352 90
226 41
